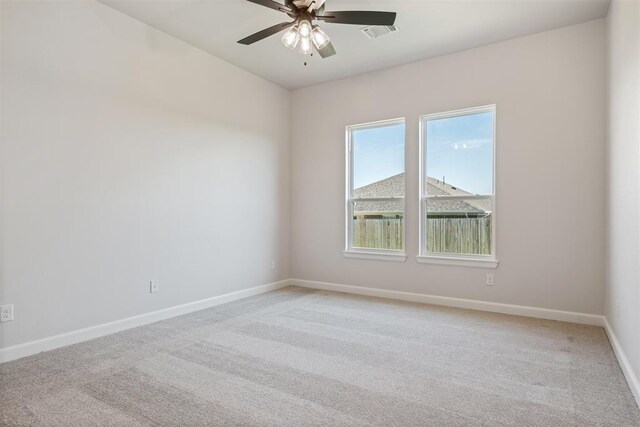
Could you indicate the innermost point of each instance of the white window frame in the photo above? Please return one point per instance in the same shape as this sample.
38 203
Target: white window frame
464 260
366 253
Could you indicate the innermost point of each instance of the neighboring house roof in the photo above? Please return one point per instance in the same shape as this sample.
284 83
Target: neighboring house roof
393 186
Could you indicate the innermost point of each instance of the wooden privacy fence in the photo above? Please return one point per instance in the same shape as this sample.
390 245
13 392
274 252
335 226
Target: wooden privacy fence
459 235
383 233
445 235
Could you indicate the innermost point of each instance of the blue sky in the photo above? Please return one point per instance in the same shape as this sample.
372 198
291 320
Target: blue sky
458 149
378 153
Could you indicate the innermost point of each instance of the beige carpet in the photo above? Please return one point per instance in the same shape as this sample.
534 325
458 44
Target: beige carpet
298 357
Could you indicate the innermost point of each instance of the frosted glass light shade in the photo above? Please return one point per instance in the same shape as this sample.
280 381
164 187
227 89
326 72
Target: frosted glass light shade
320 38
304 27
305 45
290 38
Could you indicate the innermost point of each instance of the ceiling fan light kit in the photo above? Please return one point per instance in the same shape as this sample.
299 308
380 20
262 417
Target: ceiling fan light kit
304 34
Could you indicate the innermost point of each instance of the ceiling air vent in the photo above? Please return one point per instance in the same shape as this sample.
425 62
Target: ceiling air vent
375 31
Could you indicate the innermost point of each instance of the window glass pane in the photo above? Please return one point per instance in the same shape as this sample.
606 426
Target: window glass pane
378 172
378 154
459 226
459 154
378 224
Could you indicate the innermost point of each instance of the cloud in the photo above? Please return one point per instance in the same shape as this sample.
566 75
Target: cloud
468 144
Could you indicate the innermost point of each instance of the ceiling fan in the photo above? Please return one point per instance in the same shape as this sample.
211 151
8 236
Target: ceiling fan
304 34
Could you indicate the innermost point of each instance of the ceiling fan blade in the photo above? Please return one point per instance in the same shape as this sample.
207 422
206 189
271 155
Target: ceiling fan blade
273 5
327 51
357 17
265 33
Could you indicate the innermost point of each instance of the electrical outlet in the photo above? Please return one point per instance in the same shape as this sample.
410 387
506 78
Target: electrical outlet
273 265
6 313
490 280
154 286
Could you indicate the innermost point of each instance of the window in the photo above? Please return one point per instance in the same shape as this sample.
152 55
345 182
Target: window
375 191
457 198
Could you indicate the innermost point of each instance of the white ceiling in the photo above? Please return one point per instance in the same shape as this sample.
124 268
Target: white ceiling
427 28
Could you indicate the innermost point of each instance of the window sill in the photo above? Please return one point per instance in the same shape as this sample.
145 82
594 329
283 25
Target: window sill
457 261
378 256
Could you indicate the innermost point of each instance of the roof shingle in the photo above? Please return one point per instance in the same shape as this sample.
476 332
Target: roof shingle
393 186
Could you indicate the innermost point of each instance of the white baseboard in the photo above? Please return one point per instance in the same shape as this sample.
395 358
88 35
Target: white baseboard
494 307
73 337
627 370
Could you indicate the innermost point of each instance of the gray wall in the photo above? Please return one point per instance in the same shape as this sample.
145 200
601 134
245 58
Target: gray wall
622 306
550 94
130 156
